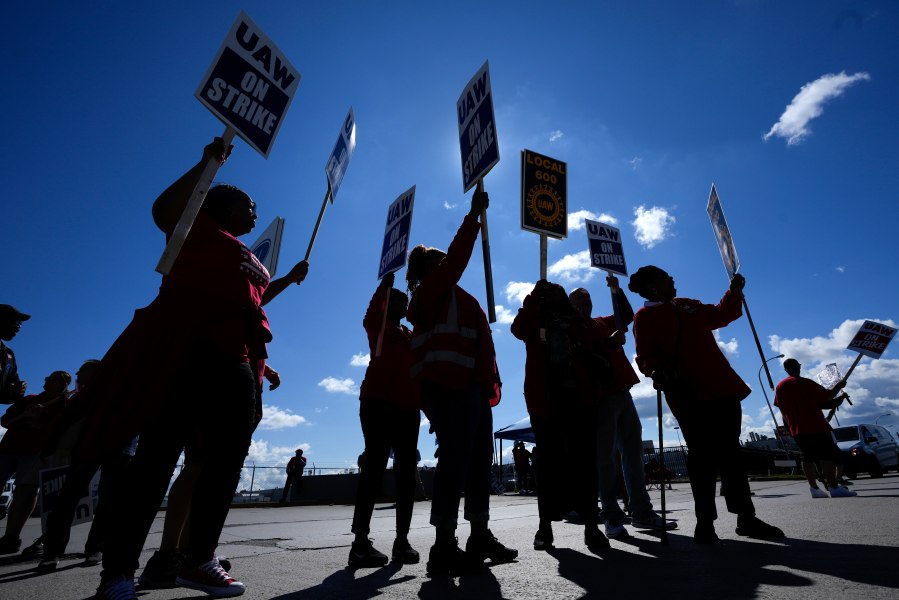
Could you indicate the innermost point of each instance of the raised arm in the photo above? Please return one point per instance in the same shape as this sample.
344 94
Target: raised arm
170 204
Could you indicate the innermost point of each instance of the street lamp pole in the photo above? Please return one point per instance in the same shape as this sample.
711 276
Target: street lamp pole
761 385
768 402
889 414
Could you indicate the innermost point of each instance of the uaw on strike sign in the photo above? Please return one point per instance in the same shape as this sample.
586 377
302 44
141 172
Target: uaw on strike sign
396 233
606 249
872 339
477 129
250 84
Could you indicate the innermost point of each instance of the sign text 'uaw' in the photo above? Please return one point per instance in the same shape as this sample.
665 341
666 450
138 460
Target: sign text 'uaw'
606 249
872 339
339 160
477 129
722 234
544 195
250 84
396 233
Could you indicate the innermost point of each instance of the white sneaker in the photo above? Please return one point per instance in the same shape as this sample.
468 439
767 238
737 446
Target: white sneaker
818 493
839 491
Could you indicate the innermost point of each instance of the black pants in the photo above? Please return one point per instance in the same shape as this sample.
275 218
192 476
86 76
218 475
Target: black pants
295 481
566 461
212 404
59 521
712 433
387 426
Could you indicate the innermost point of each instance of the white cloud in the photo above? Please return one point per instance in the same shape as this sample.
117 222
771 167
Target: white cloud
651 226
732 347
576 219
504 316
873 385
424 422
808 104
517 290
277 418
555 135
841 269
360 360
449 206
269 462
339 386
635 162
572 268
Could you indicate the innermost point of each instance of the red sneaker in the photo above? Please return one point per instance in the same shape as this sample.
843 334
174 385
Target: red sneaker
210 578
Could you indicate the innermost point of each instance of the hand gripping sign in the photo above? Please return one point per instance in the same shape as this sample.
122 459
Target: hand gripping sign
335 169
249 87
732 263
480 152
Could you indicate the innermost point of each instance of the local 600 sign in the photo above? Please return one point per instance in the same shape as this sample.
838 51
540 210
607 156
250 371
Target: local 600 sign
477 129
250 84
544 190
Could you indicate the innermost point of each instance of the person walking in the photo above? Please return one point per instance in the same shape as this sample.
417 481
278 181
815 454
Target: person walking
801 401
295 467
676 347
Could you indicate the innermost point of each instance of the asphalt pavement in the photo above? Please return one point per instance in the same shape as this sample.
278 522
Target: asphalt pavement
835 548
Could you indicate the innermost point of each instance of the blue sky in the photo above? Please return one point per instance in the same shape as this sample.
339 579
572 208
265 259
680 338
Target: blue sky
788 107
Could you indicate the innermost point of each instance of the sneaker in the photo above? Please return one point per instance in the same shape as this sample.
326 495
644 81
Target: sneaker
211 578
363 554
818 493
92 558
754 527
486 546
35 549
404 553
705 533
615 530
161 570
118 588
651 520
48 563
841 492
594 539
9 545
543 539
450 560
224 562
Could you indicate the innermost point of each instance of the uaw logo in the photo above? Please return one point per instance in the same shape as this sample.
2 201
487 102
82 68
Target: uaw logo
544 188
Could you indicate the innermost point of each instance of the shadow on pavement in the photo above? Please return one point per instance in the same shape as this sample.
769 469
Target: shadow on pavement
732 569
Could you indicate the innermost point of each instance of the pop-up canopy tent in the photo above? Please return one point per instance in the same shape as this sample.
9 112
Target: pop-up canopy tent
519 431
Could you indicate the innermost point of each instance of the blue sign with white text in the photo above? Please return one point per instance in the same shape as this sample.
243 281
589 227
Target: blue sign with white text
478 143
339 160
396 233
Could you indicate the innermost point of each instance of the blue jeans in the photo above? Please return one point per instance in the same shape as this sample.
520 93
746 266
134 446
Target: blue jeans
463 423
618 426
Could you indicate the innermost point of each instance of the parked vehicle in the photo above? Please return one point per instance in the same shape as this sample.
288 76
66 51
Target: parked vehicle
6 497
867 449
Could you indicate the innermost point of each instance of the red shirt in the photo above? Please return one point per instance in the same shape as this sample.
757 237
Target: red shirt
623 375
387 376
582 333
798 398
431 302
677 336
